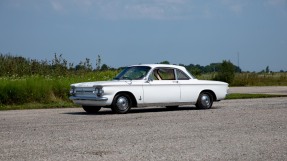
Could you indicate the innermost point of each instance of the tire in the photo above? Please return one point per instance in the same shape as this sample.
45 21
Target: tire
92 109
121 104
204 101
171 107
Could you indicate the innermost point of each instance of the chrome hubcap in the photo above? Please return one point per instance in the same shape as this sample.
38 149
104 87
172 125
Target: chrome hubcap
205 100
122 103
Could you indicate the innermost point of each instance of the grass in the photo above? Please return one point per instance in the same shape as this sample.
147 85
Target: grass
28 84
32 89
251 96
264 79
253 79
39 91
43 89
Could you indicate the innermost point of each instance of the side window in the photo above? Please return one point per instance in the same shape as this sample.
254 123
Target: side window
165 73
181 75
154 75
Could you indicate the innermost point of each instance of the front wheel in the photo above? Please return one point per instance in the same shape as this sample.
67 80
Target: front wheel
91 109
204 101
121 104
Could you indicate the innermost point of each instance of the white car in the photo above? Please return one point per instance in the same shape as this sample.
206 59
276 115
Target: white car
148 85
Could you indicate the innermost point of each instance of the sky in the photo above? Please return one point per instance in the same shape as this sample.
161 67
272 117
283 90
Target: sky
249 33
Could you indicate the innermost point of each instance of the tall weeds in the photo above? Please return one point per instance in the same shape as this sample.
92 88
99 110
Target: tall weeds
44 89
255 79
17 66
26 80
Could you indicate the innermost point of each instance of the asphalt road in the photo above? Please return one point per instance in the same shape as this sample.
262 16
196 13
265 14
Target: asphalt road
233 130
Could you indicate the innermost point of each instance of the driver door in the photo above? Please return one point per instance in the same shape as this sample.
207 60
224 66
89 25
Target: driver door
162 87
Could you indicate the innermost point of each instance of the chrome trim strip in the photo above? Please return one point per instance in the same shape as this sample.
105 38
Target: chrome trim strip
88 98
166 104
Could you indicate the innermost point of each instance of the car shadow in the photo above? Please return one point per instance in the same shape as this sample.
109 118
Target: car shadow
142 110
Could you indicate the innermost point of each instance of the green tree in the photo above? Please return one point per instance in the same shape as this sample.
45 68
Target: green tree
226 72
98 62
164 62
105 67
267 69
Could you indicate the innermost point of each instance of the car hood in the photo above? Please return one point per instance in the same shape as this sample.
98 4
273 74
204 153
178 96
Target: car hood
102 83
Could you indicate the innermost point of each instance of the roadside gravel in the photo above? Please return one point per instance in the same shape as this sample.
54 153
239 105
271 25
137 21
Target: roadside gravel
281 90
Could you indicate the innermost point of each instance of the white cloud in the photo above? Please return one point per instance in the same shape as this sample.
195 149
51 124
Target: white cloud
145 11
57 6
150 9
125 9
279 5
84 4
235 6
277 2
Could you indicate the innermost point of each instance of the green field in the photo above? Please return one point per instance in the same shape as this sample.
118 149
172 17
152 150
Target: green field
254 79
29 92
26 83
43 89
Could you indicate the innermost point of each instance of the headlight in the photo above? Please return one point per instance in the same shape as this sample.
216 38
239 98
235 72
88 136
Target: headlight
72 91
98 91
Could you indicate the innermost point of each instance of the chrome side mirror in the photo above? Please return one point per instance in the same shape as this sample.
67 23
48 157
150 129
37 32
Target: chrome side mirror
147 80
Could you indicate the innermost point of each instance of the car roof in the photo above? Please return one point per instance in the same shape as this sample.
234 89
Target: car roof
161 65
167 66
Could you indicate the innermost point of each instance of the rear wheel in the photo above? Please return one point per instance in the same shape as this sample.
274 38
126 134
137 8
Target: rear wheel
121 104
91 109
204 100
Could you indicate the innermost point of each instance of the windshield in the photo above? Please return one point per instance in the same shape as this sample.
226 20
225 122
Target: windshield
133 73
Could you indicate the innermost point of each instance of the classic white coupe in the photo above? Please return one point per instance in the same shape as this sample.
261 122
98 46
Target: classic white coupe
148 85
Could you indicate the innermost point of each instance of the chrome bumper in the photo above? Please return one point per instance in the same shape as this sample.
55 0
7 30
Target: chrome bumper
88 98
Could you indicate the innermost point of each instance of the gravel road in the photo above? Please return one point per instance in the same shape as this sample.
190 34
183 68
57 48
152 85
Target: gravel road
233 130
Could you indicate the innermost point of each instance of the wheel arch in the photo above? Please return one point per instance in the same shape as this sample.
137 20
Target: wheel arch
131 95
211 93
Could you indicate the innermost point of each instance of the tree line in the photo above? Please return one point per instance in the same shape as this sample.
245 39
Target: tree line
18 66
225 71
